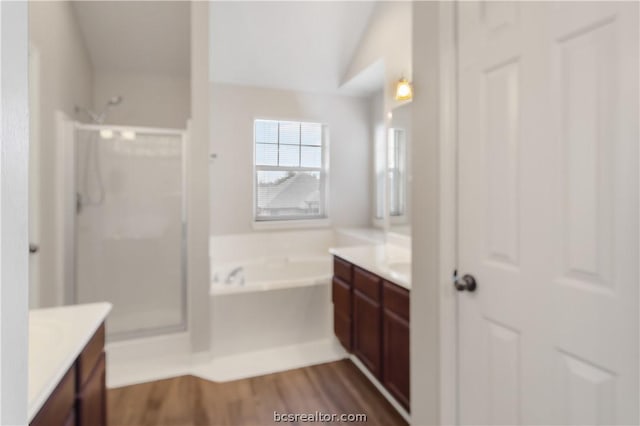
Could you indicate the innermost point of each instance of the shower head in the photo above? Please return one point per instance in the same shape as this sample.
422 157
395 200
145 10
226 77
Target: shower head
115 100
99 118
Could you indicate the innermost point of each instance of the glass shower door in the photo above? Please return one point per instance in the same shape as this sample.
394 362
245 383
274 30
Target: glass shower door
129 227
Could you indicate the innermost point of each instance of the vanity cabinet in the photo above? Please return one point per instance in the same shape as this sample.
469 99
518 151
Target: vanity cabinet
342 295
80 397
371 320
395 335
367 320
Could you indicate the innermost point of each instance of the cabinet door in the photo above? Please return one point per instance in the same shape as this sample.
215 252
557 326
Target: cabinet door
396 356
92 399
59 407
367 331
342 312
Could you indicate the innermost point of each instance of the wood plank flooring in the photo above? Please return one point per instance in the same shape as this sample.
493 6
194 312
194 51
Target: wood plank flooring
336 387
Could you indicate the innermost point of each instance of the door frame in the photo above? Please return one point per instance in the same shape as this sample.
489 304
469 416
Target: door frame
448 209
434 310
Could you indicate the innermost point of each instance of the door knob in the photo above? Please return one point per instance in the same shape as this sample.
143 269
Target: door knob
467 282
33 248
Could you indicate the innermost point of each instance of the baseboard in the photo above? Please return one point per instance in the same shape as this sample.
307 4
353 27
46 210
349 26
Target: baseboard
399 408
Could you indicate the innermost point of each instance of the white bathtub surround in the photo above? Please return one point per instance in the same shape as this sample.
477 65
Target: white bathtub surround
270 291
388 261
56 338
245 322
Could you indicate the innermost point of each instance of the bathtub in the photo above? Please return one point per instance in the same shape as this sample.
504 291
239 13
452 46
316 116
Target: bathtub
270 302
270 273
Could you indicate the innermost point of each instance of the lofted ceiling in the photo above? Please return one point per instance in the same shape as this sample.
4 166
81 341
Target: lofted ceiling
137 36
304 46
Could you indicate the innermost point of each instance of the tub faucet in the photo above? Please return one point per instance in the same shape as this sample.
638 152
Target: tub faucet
233 274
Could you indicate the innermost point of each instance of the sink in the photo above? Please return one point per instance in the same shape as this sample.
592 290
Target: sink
403 269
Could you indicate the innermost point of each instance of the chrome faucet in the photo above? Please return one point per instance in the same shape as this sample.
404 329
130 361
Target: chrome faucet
234 272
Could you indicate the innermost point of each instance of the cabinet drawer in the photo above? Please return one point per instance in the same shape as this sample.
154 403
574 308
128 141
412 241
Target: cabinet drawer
342 269
396 299
341 293
367 283
90 356
60 405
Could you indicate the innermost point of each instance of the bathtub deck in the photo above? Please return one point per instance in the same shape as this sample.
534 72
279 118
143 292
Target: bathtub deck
336 387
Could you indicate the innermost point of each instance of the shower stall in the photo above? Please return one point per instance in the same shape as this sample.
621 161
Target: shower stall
130 226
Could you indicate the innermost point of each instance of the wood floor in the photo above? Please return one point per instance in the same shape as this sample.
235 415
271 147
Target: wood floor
336 387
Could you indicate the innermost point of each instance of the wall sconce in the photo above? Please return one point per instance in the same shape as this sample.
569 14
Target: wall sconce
404 91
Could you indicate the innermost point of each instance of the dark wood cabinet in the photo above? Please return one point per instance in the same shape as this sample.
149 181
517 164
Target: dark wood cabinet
366 332
59 408
92 407
80 397
396 344
371 319
367 320
342 303
342 297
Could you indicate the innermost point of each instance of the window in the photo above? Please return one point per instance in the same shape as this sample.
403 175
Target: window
396 164
290 175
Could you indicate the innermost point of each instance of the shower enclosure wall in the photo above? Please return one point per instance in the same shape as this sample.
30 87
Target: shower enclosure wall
130 226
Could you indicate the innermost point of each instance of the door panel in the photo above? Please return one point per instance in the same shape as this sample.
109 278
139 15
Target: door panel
367 322
548 212
396 376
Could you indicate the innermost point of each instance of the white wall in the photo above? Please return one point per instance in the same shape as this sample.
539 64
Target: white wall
233 109
66 78
197 181
388 37
149 100
14 142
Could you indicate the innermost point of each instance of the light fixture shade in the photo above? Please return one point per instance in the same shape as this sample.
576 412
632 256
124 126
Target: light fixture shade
106 133
404 91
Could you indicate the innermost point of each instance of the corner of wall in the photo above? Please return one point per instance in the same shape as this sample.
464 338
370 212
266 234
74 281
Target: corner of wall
198 181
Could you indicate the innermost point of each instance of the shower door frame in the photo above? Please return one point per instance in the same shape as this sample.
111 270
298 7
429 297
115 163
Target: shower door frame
183 134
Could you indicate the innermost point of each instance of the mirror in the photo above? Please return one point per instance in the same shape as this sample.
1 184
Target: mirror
398 171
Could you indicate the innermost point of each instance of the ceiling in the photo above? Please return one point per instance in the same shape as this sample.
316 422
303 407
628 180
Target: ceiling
137 36
304 46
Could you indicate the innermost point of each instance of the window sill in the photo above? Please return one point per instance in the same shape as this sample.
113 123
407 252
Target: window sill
291 224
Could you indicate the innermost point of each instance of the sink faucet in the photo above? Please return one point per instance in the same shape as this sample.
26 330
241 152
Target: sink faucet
234 272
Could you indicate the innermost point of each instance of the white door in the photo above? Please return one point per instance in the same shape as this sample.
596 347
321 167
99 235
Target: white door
548 213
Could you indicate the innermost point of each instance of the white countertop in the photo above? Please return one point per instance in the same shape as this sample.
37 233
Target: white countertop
388 261
56 338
